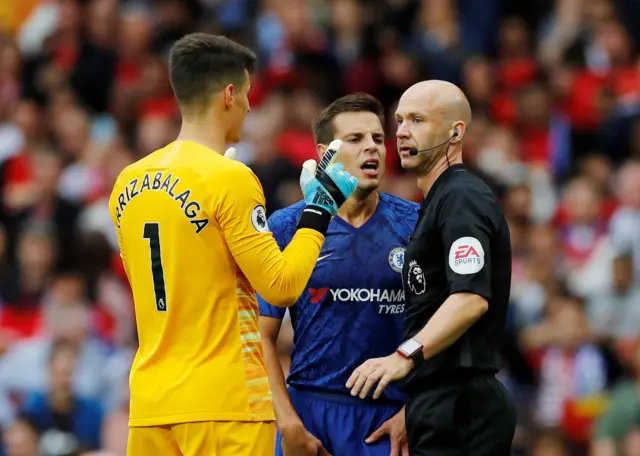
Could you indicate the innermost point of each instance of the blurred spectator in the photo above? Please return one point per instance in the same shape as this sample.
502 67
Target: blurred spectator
632 441
550 444
621 417
615 314
38 202
276 173
572 368
296 139
115 430
582 226
66 319
67 423
625 223
21 438
555 90
23 289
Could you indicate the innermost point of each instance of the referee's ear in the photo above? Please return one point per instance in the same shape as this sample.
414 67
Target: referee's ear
457 132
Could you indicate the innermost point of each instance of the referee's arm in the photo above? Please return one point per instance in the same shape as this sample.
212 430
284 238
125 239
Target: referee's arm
466 228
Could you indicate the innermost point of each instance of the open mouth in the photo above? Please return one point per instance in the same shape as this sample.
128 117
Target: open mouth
370 167
405 150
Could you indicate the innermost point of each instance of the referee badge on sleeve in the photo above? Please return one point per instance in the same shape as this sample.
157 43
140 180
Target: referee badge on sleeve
466 256
415 278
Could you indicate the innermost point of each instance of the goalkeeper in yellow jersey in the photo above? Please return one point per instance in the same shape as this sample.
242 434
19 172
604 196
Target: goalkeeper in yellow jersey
195 244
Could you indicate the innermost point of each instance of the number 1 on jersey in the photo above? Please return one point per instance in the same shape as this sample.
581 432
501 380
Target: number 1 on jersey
152 233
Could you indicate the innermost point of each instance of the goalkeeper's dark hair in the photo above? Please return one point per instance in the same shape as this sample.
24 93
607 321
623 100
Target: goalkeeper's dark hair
324 128
200 65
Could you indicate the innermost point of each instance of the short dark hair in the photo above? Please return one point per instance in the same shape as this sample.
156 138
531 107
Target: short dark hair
323 127
201 64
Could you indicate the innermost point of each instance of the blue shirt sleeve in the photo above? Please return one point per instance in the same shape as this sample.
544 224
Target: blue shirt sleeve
267 310
283 226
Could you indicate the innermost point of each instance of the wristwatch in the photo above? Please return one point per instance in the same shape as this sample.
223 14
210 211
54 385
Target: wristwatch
411 349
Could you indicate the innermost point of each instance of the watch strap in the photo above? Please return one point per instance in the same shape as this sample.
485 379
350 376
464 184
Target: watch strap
417 357
411 349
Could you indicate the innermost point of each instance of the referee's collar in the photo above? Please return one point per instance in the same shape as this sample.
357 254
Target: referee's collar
442 178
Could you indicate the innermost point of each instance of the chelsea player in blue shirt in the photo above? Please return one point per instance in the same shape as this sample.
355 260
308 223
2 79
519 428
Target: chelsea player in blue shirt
352 308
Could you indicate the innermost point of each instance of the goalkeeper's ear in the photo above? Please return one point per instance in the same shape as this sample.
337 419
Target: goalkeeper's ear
230 153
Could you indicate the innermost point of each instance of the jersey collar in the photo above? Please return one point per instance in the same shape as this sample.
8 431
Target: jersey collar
442 178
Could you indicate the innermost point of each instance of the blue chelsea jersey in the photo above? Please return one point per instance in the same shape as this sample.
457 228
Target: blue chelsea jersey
353 306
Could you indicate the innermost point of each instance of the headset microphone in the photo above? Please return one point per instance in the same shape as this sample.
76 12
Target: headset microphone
414 151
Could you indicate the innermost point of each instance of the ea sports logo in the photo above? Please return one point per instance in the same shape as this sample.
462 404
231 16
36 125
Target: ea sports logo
465 251
466 256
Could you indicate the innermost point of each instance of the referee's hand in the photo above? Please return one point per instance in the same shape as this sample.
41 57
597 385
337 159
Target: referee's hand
380 370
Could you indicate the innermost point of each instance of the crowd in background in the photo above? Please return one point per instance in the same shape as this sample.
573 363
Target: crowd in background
555 91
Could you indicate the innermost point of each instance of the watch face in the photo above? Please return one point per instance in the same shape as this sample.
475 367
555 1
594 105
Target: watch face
410 346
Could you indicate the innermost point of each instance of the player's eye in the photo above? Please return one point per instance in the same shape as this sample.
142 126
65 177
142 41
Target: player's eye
353 140
417 120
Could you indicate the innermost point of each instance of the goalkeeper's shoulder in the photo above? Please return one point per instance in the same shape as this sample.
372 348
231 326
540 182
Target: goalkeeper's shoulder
228 175
231 169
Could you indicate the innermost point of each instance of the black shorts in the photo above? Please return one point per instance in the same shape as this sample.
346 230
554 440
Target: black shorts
463 417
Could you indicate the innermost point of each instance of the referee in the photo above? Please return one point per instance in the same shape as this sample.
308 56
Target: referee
457 278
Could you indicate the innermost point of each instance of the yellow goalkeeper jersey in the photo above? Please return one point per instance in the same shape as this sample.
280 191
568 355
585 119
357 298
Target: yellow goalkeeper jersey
195 244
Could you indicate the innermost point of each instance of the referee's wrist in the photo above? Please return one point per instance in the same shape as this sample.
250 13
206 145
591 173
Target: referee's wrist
412 350
316 218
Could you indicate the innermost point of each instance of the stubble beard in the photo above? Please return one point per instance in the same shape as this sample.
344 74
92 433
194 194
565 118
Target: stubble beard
432 159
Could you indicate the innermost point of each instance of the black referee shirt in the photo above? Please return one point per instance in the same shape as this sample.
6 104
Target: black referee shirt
461 243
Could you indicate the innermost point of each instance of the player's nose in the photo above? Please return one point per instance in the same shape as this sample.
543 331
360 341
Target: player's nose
403 132
370 144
